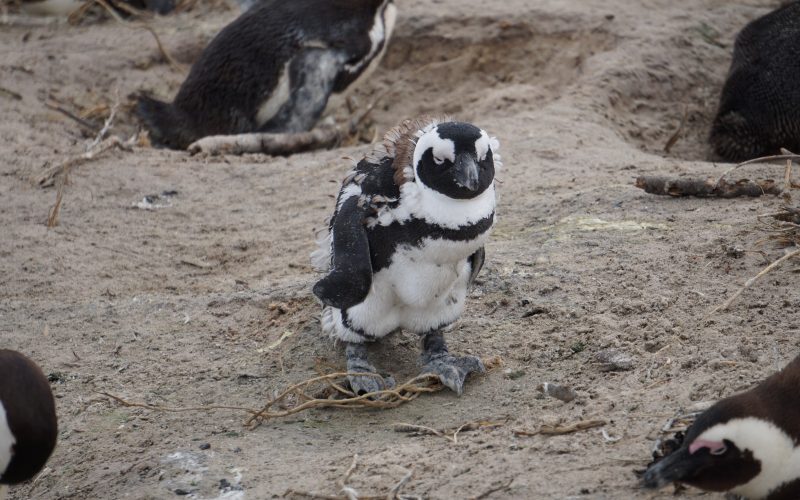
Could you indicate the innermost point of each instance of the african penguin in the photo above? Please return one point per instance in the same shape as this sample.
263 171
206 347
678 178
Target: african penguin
406 242
759 109
748 444
273 69
28 425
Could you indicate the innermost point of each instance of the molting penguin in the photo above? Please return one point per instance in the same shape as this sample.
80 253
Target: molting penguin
406 242
748 444
28 425
273 69
759 109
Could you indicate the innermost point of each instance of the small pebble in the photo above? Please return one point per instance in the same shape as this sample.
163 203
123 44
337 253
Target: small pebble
205 446
181 492
564 393
613 360
513 374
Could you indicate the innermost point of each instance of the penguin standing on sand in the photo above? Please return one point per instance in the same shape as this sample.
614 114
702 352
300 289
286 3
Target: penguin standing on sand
28 426
406 242
748 444
273 69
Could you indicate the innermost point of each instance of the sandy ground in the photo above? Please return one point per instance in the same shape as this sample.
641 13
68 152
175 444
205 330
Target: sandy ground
178 306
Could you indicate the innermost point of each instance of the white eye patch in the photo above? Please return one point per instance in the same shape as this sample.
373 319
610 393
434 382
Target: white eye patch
483 145
443 149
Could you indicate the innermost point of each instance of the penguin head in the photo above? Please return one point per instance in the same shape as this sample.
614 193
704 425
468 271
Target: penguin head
454 159
729 449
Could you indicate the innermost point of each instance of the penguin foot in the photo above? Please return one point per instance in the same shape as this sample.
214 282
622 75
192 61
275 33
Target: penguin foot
357 363
453 370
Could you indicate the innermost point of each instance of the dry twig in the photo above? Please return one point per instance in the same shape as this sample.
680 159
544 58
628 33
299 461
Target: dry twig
752 280
785 156
449 434
77 119
675 136
691 186
555 430
349 493
336 396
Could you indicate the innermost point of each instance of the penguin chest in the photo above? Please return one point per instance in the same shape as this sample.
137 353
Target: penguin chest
431 276
7 441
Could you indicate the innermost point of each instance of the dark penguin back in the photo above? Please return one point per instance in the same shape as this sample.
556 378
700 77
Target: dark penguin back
759 109
31 415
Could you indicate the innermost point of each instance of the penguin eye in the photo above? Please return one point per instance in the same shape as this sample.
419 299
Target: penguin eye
719 451
438 160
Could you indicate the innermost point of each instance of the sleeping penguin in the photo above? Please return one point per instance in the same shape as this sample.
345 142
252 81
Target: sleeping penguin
406 242
28 425
273 69
748 444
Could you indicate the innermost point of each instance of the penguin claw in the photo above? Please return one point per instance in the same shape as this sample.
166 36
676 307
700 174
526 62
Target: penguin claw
453 370
364 384
369 382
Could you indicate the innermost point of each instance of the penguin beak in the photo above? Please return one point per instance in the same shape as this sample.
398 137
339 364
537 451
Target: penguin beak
679 466
465 171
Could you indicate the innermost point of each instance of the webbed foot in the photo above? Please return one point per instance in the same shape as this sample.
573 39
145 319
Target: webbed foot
451 370
357 363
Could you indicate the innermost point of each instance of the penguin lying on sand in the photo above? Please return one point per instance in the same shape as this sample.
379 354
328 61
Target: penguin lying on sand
28 426
759 109
406 242
273 69
748 444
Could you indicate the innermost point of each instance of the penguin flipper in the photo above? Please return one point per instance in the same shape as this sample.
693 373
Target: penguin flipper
166 124
350 278
476 261
313 74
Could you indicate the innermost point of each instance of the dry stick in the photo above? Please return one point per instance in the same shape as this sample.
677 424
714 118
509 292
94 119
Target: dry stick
555 430
389 398
107 124
788 156
752 280
349 492
77 119
173 409
690 186
172 62
395 491
674 138
64 168
492 490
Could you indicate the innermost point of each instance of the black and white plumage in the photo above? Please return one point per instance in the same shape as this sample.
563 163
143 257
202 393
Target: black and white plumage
406 241
759 109
28 425
273 69
748 444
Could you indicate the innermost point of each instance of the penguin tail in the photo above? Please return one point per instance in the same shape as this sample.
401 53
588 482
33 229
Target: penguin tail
168 126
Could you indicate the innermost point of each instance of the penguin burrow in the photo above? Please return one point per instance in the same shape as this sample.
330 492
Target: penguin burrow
405 243
273 70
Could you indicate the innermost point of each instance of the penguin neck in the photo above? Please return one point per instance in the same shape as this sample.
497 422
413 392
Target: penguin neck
436 208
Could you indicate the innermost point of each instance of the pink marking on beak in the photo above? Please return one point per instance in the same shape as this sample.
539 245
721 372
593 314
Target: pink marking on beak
699 444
